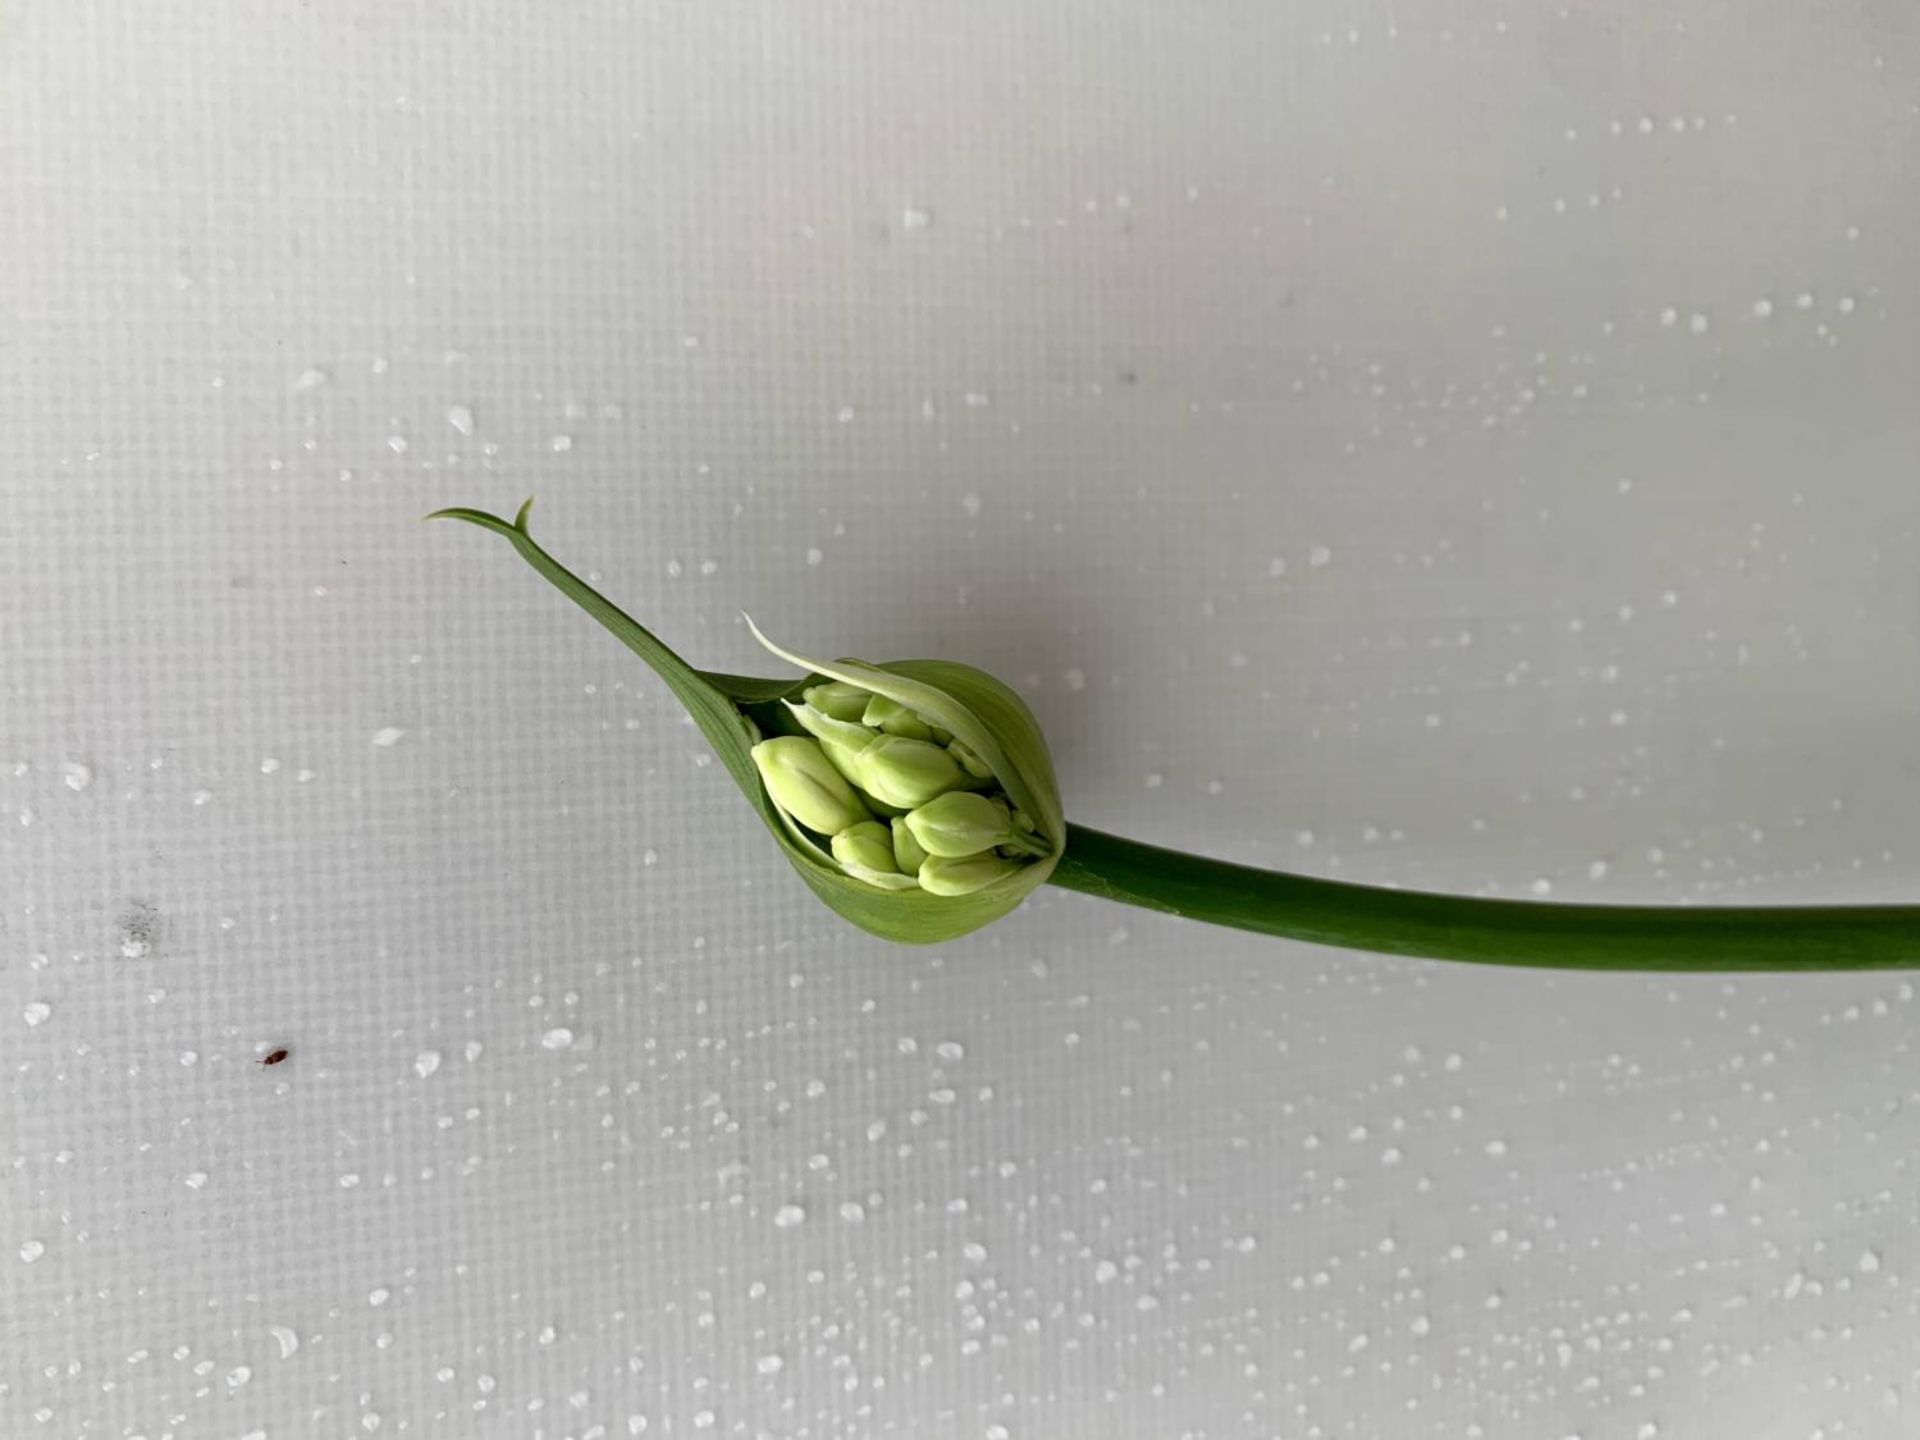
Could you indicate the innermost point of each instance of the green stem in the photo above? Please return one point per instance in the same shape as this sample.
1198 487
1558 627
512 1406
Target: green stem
1492 932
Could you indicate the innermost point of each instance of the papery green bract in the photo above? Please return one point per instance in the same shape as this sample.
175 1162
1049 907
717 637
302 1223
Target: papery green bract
982 718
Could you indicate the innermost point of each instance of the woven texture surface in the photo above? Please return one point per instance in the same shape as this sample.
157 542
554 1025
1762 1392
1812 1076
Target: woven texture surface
1458 447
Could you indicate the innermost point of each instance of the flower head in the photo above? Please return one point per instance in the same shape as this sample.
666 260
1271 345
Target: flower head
916 798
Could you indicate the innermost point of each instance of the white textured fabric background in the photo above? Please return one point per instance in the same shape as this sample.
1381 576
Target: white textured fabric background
1466 446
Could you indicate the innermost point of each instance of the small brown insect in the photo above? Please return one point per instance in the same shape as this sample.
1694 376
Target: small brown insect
273 1057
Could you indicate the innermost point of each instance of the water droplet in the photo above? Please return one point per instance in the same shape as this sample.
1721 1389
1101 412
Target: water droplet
788 1216
460 418
426 1062
853 1212
238 1376
1869 1262
285 1339
75 775
970 503
978 400
1075 679
950 1050
1319 555
388 735
1762 309
1697 323
558 1038
561 444
197 1180
397 444
771 1364
31 1250
37 1012
911 219
473 1050
310 379
379 1296
814 555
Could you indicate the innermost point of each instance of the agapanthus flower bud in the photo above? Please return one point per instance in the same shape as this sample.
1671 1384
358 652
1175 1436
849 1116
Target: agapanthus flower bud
895 719
804 783
970 762
838 700
964 875
960 823
907 854
906 772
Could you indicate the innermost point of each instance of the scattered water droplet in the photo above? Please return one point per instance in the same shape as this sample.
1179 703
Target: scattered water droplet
1869 1262
285 1339
197 1180
788 1216
460 418
911 219
75 775
561 444
238 1376
1075 679
853 1212
771 1364
397 444
426 1062
388 735
558 1038
1318 556
37 1012
31 1250
971 503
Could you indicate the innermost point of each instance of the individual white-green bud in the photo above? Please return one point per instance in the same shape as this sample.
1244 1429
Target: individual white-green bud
895 719
843 740
961 822
803 782
866 846
838 699
907 854
963 876
970 762
905 772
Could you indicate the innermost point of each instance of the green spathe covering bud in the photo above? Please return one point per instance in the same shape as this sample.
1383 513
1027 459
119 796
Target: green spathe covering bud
960 823
906 772
907 854
839 700
964 875
803 783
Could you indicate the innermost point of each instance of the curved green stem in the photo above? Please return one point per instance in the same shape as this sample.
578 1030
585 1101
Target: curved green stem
1491 932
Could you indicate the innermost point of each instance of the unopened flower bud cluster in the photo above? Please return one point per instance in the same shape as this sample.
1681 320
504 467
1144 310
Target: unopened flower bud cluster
903 803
